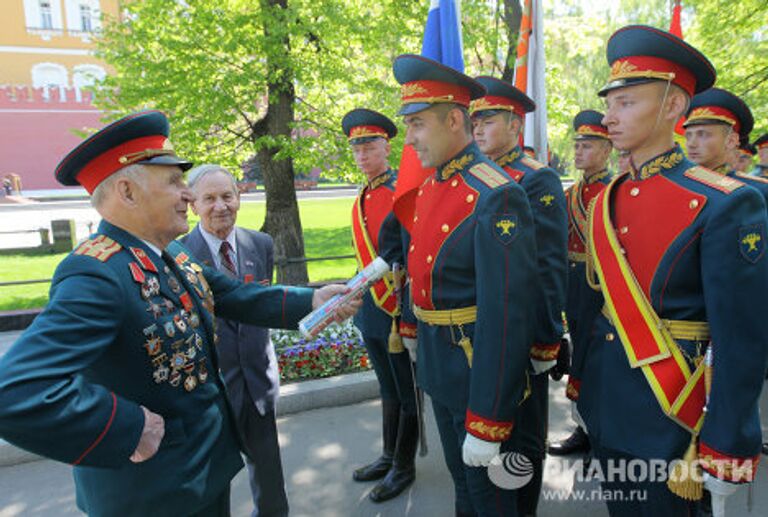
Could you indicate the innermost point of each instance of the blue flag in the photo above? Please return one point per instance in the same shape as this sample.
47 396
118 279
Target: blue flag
442 34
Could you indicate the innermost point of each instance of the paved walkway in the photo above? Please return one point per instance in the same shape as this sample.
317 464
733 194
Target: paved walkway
320 450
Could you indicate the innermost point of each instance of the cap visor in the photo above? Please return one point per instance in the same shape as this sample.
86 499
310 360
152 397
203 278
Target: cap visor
168 160
410 109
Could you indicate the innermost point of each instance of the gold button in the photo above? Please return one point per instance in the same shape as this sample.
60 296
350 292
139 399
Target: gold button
367 196
694 203
454 183
420 192
609 336
573 264
445 228
432 182
412 248
624 229
623 251
470 198
423 292
429 259
634 192
365 218
415 218
586 189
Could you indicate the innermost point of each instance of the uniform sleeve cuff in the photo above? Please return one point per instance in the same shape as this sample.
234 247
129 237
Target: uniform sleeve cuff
727 468
488 430
117 439
545 352
407 329
572 388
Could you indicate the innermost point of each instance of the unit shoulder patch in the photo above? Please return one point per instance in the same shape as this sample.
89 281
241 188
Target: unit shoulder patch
488 175
713 179
101 248
533 164
752 242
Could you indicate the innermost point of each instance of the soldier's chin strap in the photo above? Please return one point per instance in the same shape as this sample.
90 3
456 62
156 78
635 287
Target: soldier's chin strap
658 118
663 101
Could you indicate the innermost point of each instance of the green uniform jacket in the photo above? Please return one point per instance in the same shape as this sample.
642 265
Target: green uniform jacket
125 327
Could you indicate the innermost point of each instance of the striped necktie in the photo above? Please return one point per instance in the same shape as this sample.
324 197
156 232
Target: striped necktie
227 264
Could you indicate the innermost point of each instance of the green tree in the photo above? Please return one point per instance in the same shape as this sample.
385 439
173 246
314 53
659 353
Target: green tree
270 78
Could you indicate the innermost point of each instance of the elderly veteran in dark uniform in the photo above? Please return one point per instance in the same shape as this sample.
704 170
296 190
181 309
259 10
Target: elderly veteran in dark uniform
716 123
377 232
246 354
118 376
497 120
761 145
592 148
472 267
676 362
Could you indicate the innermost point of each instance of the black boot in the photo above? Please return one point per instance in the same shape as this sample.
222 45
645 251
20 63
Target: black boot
390 410
403 470
528 496
577 442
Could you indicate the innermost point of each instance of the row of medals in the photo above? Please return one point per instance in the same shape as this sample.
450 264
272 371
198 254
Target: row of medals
182 360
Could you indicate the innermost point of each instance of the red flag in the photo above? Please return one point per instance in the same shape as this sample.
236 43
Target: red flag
442 42
410 177
676 28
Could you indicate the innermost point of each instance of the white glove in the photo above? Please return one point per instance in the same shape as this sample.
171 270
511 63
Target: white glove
720 491
542 366
411 344
479 453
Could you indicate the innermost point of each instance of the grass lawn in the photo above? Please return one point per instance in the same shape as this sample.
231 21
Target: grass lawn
327 232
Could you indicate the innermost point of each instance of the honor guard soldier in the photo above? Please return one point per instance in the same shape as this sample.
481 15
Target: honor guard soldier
761 144
592 148
742 162
717 122
497 119
118 376
675 366
472 266
377 232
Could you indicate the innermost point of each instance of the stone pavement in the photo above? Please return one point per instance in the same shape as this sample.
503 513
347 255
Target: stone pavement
320 450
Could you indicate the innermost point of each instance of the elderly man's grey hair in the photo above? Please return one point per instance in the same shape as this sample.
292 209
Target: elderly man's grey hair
196 174
134 172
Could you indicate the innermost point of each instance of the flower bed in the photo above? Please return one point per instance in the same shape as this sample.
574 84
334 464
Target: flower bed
336 350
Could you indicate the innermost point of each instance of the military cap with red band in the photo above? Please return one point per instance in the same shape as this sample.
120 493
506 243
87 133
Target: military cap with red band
718 106
761 142
500 96
138 138
588 125
426 82
363 125
640 54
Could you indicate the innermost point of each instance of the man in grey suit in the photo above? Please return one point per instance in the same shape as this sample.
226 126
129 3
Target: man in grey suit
247 357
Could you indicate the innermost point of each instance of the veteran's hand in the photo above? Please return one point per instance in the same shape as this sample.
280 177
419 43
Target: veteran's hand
477 452
344 311
151 436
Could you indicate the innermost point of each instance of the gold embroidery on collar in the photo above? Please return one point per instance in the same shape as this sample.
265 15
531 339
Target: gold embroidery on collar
455 166
379 180
658 164
596 177
510 157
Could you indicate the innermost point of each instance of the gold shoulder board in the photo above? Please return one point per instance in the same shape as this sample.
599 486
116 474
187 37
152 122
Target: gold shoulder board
713 179
100 247
488 175
533 164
